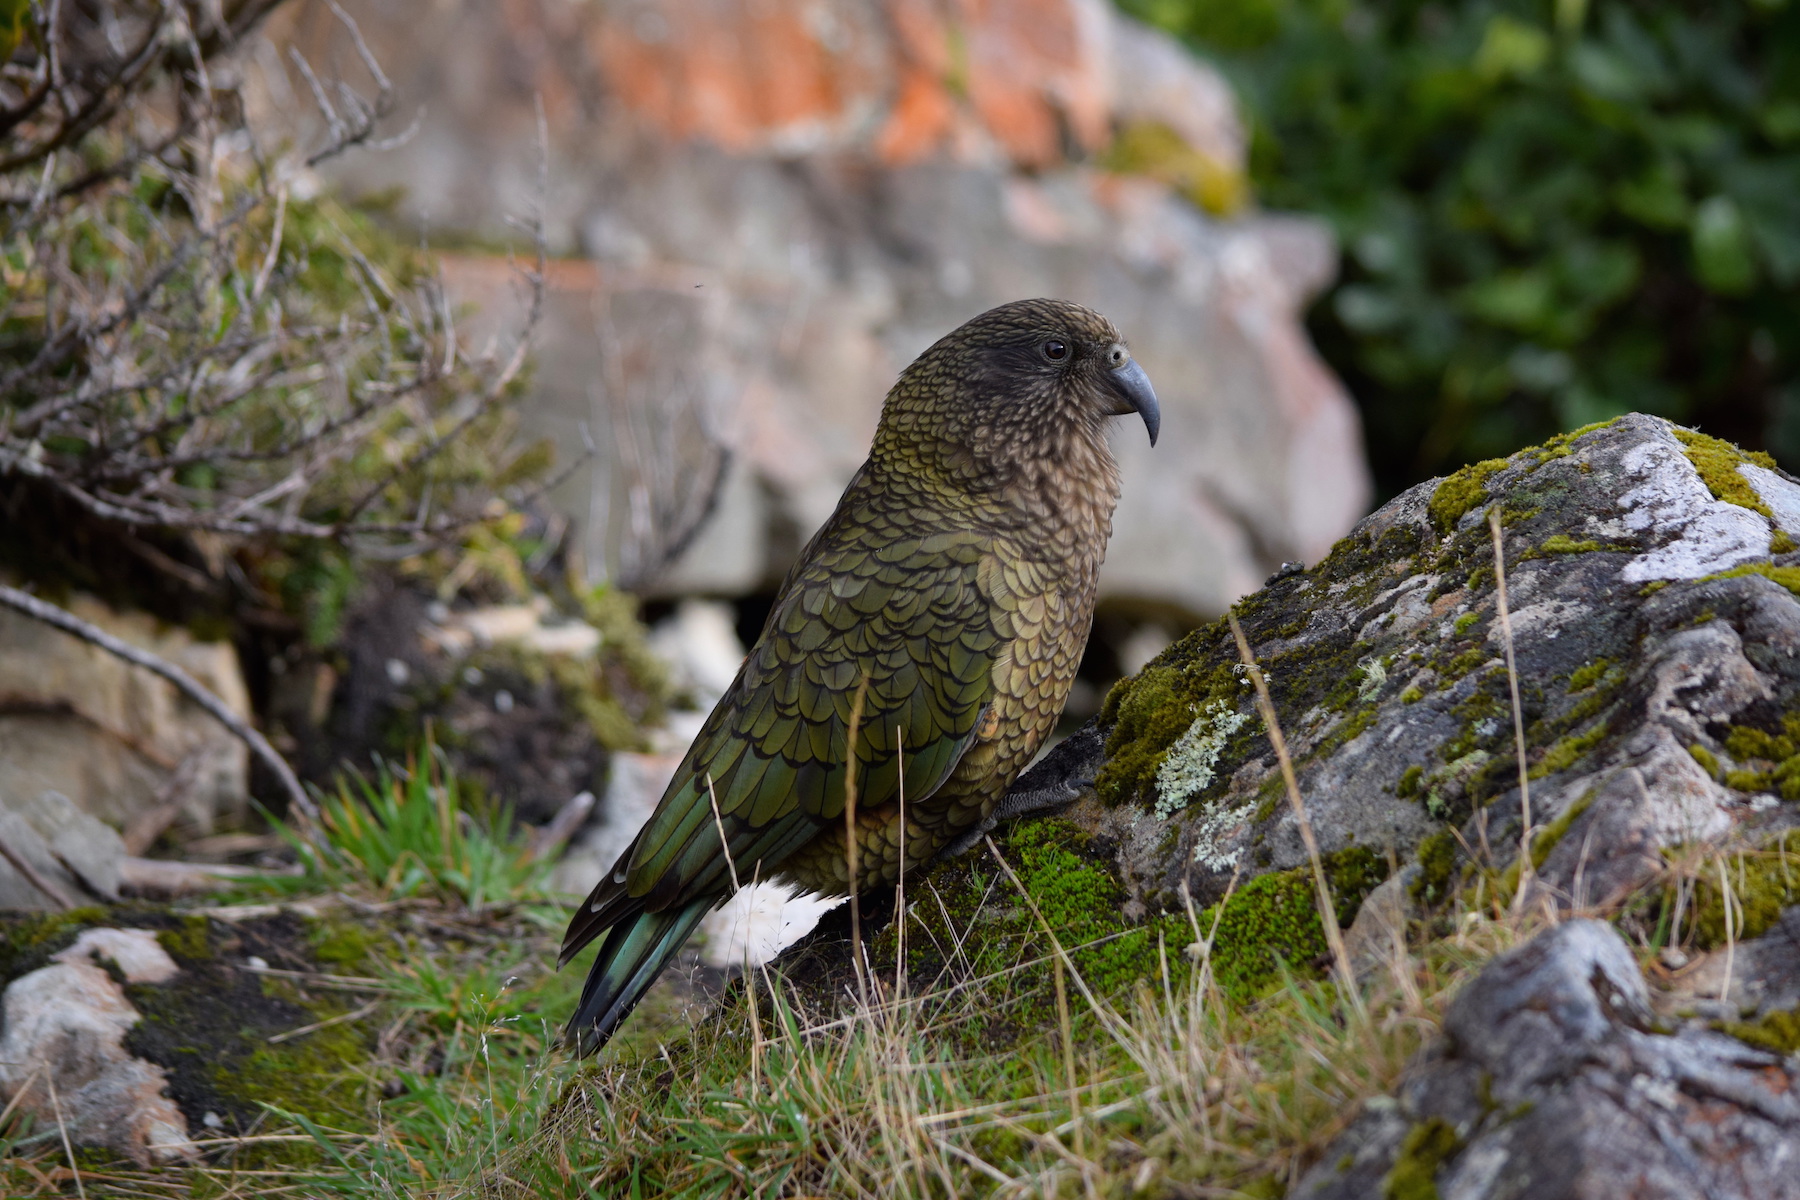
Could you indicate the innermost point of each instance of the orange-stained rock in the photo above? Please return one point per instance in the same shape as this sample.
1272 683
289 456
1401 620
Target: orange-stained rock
921 118
742 74
784 201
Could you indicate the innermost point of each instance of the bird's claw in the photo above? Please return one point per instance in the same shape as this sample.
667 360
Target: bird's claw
1017 804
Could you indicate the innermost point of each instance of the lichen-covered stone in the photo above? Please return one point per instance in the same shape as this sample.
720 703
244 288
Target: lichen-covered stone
1654 715
181 1023
1554 1079
1654 618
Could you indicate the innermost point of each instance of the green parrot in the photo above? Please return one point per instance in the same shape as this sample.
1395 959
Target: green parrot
925 641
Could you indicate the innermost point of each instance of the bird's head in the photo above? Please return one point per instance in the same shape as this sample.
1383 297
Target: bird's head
1016 380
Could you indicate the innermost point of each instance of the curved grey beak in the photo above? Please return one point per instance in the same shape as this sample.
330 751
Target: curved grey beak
1133 386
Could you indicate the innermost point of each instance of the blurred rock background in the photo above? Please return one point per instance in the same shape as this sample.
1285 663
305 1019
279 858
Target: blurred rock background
761 212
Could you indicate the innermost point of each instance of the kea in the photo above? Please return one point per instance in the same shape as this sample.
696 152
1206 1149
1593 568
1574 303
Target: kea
917 655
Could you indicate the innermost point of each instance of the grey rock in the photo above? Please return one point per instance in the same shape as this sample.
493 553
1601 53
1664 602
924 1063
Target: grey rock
746 275
1388 656
1556 1082
62 1053
110 736
77 853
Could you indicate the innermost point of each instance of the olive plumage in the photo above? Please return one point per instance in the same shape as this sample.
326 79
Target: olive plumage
939 614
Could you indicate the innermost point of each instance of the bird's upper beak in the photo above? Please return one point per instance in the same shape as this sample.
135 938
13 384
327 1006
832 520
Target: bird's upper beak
1132 386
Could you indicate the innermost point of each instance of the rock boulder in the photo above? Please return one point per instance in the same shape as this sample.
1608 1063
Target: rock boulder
752 255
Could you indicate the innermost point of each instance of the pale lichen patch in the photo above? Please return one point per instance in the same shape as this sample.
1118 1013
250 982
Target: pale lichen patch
1189 765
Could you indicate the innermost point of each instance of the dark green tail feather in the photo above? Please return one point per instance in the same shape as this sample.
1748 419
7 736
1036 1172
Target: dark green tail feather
635 952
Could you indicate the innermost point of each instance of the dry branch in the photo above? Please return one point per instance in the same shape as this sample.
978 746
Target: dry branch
190 687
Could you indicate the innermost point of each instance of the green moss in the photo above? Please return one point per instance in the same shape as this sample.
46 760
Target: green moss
1779 751
1781 543
1408 787
1587 676
1778 1032
1461 492
1082 902
1437 862
1481 711
1565 753
341 943
1561 446
28 940
1654 586
1561 543
1465 662
1465 622
1708 761
1546 839
1787 577
1350 728
1150 713
974 925
210 1029
1717 461
1411 695
189 942
1414 1173
1763 882
1273 921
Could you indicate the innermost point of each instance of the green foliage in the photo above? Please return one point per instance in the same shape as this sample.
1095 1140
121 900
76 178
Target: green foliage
415 830
1552 212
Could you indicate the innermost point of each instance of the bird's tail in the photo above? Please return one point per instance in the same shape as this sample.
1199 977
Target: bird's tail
635 952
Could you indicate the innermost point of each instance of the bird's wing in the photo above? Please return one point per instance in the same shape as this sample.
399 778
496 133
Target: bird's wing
909 615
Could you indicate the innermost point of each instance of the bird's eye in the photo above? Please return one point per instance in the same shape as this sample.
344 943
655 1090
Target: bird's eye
1055 350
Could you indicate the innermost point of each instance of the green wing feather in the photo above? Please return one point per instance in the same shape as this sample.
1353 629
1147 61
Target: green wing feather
905 612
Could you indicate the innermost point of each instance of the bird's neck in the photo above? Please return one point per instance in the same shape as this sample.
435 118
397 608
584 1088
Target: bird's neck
1056 497
1068 488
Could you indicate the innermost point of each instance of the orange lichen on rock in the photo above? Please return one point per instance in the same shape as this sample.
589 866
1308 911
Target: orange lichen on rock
745 76
1029 74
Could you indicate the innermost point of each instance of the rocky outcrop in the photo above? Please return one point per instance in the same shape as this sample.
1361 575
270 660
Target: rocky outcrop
1654 629
55 854
1554 1079
63 1058
760 250
112 738
1653 589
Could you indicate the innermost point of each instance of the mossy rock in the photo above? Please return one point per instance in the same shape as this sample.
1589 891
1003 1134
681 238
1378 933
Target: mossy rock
210 1027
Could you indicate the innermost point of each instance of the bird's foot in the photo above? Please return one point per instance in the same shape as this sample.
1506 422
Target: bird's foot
1016 804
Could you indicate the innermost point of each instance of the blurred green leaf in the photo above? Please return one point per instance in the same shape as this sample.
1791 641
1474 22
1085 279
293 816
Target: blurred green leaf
1722 247
1511 48
1552 211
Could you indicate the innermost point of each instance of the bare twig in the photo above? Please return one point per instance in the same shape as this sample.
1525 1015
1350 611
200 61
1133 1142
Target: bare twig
71 624
34 877
1334 937
856 947
355 1014
561 827
1527 869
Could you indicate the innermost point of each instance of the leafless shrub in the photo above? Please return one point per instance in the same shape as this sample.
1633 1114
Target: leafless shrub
668 459
189 343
